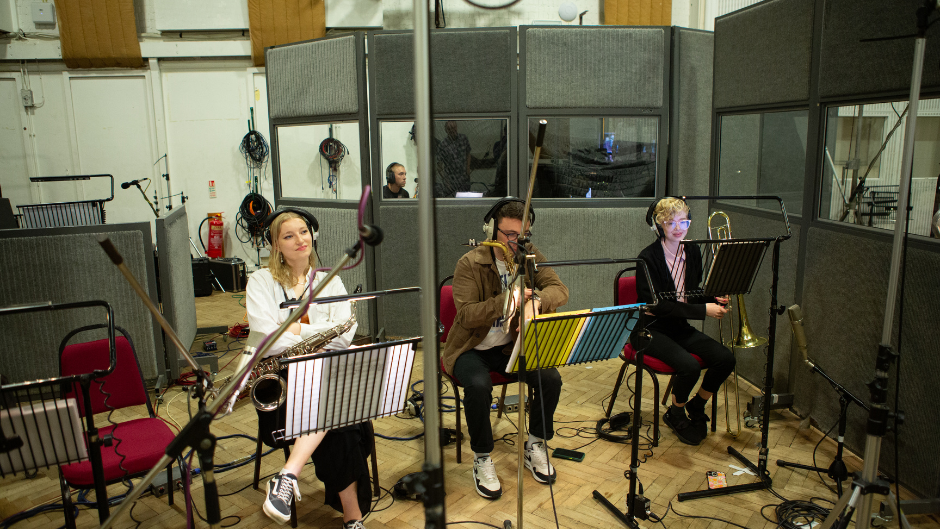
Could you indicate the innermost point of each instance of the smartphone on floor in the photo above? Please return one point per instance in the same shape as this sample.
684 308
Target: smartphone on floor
716 480
564 453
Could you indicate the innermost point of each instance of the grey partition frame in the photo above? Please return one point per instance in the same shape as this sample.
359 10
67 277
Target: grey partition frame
580 73
62 282
840 271
178 299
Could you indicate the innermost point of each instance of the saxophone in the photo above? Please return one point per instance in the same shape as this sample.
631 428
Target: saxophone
268 389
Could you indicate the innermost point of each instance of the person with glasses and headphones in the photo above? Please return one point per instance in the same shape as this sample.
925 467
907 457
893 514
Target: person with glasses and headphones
477 344
339 455
677 268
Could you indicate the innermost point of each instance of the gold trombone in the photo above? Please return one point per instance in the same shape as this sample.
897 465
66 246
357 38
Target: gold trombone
745 338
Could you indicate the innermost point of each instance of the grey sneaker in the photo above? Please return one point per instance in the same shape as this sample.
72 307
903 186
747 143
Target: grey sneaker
536 460
484 478
281 490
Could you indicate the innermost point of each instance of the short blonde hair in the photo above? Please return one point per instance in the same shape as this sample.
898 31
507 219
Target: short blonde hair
668 208
279 269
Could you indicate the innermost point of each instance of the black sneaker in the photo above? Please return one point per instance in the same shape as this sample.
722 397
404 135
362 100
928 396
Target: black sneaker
697 416
684 429
281 490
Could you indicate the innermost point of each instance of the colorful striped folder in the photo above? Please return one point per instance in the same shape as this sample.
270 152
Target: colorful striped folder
576 337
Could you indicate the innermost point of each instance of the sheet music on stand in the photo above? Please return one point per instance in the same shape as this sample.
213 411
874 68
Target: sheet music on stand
730 267
339 388
575 337
39 428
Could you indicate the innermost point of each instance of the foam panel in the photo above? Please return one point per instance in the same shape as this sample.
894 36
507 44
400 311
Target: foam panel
594 67
312 79
176 283
65 265
850 67
691 105
471 71
844 294
762 54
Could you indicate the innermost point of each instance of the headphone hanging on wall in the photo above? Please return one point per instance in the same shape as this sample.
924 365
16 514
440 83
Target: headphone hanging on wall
390 173
308 217
489 220
654 226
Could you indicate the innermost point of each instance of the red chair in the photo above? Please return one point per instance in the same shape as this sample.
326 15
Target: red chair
625 294
130 448
448 311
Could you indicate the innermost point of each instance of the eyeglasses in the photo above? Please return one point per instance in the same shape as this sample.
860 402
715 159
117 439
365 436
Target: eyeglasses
512 235
682 224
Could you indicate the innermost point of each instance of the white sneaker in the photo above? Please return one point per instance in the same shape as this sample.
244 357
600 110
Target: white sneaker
354 524
484 478
536 460
281 490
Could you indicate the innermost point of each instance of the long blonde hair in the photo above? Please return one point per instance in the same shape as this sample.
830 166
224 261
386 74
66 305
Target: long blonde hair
280 270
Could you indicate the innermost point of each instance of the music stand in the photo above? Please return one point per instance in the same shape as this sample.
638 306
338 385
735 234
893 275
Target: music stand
333 389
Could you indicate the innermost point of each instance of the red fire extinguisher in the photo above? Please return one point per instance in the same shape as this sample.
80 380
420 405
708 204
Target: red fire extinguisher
216 246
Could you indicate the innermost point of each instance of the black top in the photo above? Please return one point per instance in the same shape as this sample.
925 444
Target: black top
671 315
387 193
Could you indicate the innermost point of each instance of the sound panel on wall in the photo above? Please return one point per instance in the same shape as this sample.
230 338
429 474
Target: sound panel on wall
65 265
849 66
691 110
762 54
176 283
471 71
314 78
844 291
594 67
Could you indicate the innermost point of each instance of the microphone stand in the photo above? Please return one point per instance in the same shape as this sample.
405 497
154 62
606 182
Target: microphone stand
837 470
155 212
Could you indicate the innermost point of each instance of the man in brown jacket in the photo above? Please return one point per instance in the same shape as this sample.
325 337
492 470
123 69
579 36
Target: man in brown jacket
477 345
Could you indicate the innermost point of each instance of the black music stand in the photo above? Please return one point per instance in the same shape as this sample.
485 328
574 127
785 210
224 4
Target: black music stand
333 389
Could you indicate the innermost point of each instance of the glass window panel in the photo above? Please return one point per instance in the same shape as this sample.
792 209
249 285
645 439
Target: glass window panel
862 165
306 173
764 154
470 157
594 157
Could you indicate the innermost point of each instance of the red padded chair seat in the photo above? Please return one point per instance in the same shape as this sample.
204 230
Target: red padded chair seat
143 442
629 355
497 377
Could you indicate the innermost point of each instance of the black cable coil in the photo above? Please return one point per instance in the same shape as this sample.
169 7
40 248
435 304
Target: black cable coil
254 147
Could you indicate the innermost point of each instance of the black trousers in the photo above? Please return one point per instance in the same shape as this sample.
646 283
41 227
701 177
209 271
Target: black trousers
473 368
675 350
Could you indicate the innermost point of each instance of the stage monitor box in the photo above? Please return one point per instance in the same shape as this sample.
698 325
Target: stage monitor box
231 273
202 281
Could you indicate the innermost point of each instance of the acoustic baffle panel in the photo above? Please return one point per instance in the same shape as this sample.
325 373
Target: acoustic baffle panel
276 22
66 265
471 71
849 66
762 54
176 283
752 362
589 286
316 78
99 34
844 291
339 232
691 104
597 67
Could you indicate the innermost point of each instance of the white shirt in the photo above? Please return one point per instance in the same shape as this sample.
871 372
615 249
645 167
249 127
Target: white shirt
496 336
263 299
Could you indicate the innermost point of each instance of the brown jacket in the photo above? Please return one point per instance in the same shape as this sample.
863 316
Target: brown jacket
478 295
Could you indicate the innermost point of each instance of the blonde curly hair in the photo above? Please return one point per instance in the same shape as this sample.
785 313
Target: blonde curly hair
668 208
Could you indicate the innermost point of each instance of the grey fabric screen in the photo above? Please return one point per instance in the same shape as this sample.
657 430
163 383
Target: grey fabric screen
66 265
691 110
176 283
313 78
594 67
471 71
762 54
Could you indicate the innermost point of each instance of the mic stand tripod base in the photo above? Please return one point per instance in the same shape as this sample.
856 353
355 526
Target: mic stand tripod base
764 483
627 520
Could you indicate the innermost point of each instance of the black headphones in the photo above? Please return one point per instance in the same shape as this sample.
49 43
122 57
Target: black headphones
620 421
390 173
654 226
311 221
489 220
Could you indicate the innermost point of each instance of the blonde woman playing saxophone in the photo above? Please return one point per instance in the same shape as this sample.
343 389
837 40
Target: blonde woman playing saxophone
339 455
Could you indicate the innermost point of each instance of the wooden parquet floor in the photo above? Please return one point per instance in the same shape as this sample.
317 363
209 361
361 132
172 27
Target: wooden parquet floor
672 467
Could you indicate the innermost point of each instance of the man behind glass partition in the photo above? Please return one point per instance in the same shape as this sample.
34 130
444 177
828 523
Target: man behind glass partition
395 181
453 162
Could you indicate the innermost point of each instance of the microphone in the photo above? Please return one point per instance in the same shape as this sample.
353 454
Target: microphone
796 321
372 235
126 185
